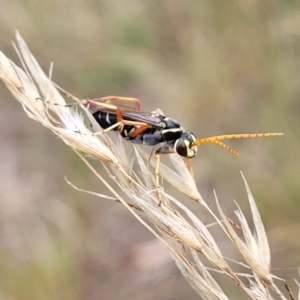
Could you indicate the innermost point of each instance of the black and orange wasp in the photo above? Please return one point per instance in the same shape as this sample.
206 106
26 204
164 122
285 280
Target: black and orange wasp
153 128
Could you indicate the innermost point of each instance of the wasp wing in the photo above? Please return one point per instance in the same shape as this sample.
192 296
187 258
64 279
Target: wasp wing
128 113
145 117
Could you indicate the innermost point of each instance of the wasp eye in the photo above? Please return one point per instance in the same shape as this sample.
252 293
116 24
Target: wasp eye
185 145
181 147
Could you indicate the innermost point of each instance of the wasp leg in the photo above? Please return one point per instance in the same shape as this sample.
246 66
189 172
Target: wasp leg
112 127
97 103
58 104
140 130
157 175
189 165
120 125
103 102
109 99
165 149
52 119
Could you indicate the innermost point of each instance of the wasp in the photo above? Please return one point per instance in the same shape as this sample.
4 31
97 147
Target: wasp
153 128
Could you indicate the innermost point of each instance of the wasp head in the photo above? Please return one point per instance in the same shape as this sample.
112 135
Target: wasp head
184 146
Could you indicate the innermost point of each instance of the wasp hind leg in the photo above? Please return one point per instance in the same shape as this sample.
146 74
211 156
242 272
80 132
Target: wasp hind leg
111 99
121 123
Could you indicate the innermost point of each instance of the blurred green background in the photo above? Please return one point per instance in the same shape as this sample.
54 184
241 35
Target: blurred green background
217 67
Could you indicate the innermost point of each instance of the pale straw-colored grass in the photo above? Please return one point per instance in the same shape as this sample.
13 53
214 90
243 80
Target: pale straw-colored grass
187 239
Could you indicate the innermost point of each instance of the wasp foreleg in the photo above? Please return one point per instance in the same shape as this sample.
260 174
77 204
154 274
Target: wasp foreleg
189 165
165 149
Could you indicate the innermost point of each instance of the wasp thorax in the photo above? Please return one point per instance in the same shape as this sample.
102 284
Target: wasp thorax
184 145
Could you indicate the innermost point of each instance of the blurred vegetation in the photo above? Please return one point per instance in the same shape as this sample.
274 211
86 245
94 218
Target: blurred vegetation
215 66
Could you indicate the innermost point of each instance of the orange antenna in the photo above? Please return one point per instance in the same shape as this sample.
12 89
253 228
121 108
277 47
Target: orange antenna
217 139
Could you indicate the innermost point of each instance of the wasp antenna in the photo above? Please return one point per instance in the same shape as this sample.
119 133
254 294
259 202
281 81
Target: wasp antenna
215 140
236 136
247 135
227 148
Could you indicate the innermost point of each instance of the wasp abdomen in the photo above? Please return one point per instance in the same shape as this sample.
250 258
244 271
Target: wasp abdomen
105 119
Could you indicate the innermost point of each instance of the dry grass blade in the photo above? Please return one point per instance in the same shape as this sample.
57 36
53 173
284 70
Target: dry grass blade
182 179
261 236
249 250
183 234
255 249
